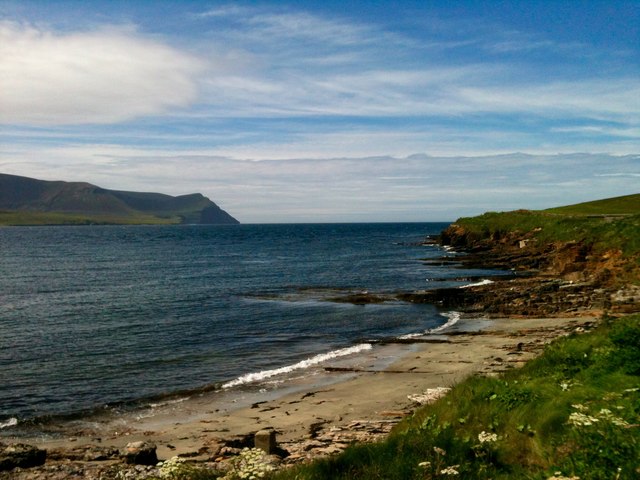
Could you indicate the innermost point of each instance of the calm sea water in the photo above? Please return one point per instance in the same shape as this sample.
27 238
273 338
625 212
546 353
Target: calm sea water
90 316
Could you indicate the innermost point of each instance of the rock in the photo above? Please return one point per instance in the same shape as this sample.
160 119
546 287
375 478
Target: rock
265 440
100 454
140 453
21 455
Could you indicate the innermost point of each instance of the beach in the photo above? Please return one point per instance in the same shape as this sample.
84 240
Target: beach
353 399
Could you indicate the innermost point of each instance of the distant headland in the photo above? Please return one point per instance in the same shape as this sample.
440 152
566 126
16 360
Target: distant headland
28 201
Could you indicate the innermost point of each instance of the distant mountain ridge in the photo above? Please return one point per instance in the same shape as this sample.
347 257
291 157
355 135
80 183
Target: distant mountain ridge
25 200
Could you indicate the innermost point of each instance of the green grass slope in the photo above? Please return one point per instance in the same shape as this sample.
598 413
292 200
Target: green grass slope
622 233
625 205
574 412
604 225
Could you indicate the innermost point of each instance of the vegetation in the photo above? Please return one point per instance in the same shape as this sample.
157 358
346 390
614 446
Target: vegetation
28 201
626 205
17 218
604 233
608 224
571 413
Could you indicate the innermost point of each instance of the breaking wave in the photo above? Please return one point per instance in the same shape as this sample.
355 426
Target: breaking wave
12 422
477 284
309 362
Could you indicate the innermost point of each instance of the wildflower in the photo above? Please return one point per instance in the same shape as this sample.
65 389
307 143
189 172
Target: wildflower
581 420
424 464
559 476
606 414
565 386
251 464
452 470
579 407
174 468
485 437
439 451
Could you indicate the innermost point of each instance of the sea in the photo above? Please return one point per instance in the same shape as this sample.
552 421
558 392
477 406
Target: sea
93 317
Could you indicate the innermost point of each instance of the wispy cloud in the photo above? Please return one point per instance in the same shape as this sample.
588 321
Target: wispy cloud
412 188
109 75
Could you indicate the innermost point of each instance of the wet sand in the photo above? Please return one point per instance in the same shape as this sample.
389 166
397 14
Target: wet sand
372 387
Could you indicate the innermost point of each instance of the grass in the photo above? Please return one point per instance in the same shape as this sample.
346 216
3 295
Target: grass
573 410
625 205
620 233
19 218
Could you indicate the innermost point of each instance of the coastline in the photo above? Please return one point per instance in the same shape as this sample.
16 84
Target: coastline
349 399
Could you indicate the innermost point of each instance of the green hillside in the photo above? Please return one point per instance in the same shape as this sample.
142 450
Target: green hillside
604 225
28 201
625 205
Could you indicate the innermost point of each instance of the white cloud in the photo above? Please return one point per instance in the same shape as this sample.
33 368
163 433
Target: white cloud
617 98
270 26
380 188
104 76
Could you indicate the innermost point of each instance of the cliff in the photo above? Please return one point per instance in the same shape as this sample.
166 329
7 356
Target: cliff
561 263
25 201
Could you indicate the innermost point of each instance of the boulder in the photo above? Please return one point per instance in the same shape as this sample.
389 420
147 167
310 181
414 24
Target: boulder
140 453
21 455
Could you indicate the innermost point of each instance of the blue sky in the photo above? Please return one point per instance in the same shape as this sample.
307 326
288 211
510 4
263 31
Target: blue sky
327 111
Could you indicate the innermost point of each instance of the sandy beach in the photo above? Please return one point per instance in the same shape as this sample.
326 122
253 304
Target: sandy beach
351 400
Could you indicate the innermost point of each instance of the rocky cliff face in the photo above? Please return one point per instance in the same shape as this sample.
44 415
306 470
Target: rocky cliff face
555 278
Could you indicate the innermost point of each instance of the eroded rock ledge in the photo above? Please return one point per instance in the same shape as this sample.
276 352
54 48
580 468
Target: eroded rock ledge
550 279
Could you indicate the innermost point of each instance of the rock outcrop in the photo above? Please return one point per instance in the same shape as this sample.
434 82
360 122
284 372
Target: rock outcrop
19 455
556 278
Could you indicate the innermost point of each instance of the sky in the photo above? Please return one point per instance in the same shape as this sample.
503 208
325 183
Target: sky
327 111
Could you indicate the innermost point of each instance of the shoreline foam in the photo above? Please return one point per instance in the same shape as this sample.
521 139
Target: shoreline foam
326 401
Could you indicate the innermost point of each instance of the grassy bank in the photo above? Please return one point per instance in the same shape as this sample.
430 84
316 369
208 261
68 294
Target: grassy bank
572 412
605 225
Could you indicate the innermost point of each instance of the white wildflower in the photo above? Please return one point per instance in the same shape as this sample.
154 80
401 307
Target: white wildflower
581 420
452 470
439 451
174 468
486 437
424 464
608 415
251 464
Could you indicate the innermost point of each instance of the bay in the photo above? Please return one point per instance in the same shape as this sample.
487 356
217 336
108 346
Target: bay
95 315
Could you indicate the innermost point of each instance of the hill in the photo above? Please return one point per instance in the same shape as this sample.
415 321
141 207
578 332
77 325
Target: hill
625 205
28 201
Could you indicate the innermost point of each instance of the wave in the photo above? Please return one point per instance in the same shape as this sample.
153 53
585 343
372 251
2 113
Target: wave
452 318
12 422
309 362
486 281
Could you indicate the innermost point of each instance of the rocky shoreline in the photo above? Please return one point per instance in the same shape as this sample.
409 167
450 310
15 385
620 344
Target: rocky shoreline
551 291
555 279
